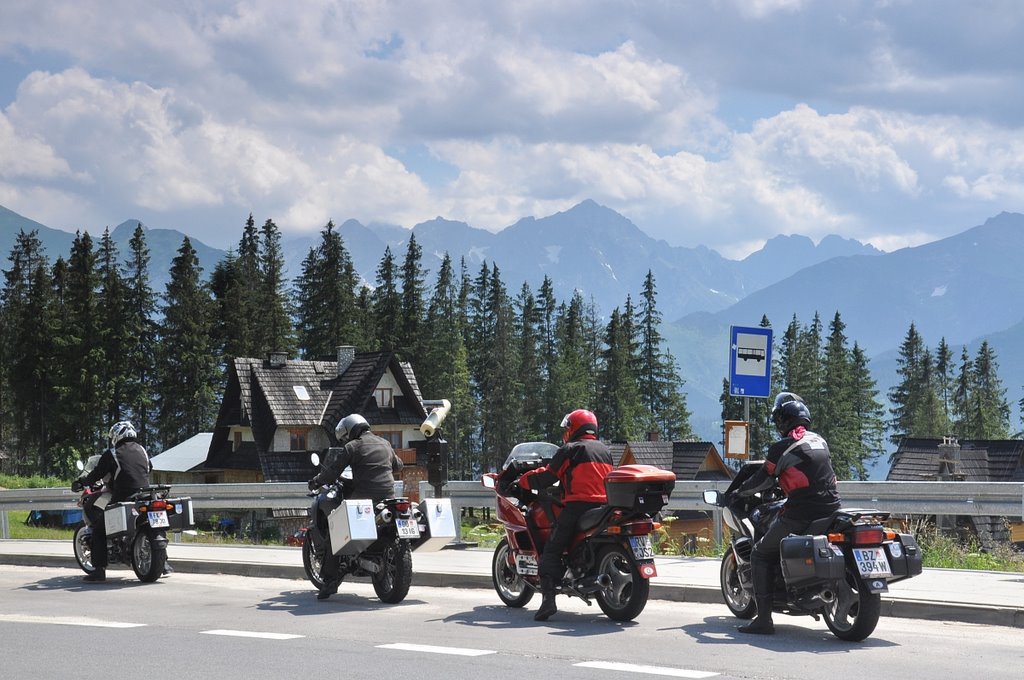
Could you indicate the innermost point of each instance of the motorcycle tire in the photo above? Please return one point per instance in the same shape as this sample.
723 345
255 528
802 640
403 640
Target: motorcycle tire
738 599
853 614
511 587
312 563
392 582
627 595
147 561
83 548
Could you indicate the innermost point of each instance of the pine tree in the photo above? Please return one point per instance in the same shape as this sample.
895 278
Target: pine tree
907 394
115 335
573 374
661 386
618 399
412 276
531 369
187 368
275 331
139 320
990 409
387 304
868 415
944 379
326 298
835 419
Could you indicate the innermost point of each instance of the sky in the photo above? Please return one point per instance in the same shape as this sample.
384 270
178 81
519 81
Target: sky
717 123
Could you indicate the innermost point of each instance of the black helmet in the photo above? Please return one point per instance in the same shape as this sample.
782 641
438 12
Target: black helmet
790 411
350 427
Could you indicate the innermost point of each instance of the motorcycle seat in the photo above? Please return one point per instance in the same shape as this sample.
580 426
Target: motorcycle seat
590 519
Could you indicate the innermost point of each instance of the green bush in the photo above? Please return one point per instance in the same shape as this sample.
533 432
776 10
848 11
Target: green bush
33 482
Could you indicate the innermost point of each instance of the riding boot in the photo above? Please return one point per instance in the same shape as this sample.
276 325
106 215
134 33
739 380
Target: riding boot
98 575
764 588
547 605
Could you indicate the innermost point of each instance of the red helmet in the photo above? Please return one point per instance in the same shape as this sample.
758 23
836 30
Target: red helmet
578 423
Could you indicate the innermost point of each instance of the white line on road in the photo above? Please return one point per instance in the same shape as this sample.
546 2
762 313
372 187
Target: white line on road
67 621
251 634
457 651
649 670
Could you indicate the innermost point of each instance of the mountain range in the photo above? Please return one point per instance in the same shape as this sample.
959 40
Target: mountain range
965 288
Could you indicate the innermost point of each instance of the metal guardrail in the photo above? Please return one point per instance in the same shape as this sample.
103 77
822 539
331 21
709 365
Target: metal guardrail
999 499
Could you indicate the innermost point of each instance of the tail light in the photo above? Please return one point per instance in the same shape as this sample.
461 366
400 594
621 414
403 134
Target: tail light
641 528
867 535
158 505
402 506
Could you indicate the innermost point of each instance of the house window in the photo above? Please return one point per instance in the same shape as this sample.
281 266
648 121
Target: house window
383 397
394 437
298 440
237 440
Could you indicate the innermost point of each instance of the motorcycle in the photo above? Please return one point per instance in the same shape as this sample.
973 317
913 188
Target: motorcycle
836 570
610 559
381 548
136 529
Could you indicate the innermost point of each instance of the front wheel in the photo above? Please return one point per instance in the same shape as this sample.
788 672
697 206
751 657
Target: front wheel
738 599
312 562
511 587
853 614
392 582
147 560
627 594
83 548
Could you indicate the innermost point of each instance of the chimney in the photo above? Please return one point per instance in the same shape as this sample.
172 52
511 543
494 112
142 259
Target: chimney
346 355
277 359
652 436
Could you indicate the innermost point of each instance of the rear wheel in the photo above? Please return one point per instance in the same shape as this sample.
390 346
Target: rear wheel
392 582
854 612
83 548
312 561
511 587
627 594
738 599
147 560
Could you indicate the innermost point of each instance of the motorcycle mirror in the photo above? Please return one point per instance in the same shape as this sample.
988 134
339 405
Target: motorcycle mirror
487 481
711 496
80 465
314 458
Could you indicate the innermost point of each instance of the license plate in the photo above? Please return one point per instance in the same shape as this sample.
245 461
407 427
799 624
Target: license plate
872 562
642 548
407 528
158 519
526 565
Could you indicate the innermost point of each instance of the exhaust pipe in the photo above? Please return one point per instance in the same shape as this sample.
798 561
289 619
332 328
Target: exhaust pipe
827 596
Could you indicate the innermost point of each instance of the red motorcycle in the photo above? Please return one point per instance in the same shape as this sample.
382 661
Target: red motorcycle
610 559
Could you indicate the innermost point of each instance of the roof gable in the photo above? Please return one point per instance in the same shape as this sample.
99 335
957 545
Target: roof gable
980 460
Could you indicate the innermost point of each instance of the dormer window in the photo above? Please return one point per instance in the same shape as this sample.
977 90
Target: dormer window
384 397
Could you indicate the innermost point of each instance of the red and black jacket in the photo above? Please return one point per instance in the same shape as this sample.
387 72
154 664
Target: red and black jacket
579 467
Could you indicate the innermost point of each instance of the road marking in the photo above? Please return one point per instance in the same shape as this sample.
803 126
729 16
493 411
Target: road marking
251 634
649 670
67 621
457 651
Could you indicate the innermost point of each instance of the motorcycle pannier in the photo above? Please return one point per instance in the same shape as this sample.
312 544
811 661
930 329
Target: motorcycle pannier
118 519
353 527
437 528
806 559
904 557
183 516
639 487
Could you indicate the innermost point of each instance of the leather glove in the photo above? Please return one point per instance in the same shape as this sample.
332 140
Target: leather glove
313 485
77 485
725 499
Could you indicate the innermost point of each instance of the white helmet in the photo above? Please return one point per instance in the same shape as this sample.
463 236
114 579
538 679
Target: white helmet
350 427
120 431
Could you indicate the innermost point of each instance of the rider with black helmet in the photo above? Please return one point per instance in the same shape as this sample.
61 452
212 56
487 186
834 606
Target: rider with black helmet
374 466
801 464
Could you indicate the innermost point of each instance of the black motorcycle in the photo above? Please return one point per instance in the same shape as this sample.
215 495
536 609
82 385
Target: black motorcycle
136 529
386 559
837 570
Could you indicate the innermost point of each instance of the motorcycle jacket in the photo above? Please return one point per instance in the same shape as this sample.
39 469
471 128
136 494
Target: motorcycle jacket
579 467
374 466
802 466
128 469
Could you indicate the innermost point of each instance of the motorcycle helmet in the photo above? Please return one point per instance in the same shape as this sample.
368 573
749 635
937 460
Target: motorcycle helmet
120 431
577 424
350 427
788 412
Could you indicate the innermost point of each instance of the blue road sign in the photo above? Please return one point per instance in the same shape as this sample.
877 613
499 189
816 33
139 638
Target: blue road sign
750 361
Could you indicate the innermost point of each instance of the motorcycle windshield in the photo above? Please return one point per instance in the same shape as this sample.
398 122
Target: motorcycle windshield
529 451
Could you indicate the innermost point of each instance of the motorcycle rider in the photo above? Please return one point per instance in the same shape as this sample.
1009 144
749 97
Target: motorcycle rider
801 464
374 466
126 465
579 467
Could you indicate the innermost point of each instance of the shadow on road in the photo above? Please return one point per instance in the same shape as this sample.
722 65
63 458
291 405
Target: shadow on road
716 630
76 584
565 623
304 603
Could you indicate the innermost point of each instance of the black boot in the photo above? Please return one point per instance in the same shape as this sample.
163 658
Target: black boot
98 575
762 623
547 605
764 586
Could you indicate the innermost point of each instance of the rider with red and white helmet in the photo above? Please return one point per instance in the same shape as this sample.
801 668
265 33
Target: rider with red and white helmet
579 466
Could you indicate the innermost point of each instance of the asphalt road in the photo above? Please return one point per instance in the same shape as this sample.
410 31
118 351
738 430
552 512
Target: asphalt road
234 628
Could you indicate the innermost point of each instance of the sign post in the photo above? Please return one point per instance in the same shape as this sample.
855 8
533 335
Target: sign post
750 376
